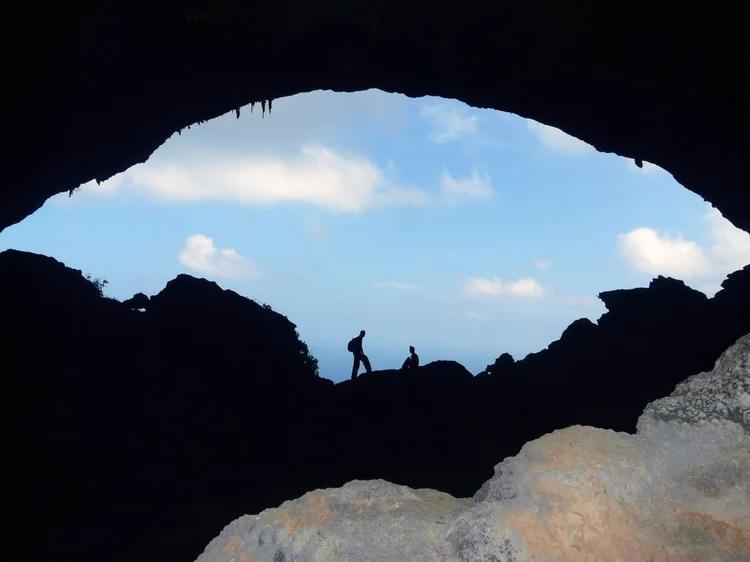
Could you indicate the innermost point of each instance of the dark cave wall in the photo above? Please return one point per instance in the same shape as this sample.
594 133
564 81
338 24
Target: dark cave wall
151 430
97 88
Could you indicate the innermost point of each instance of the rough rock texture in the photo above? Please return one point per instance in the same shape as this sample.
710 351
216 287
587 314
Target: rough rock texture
588 494
663 82
362 521
678 490
720 396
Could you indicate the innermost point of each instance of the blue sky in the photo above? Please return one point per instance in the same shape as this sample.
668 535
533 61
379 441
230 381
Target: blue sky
464 232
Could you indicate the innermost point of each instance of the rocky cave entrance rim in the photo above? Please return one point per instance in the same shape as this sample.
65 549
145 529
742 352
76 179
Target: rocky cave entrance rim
661 82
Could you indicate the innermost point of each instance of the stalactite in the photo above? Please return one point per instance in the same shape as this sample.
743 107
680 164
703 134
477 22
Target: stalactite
238 112
270 103
263 108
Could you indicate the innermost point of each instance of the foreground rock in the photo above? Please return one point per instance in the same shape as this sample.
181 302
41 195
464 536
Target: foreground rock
347 523
677 490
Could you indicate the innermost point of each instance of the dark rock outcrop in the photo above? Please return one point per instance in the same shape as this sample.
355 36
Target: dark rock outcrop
40 280
675 491
732 302
138 301
503 366
107 77
239 335
648 340
156 428
122 418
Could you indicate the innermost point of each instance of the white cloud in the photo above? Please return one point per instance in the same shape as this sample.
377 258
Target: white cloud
483 287
395 285
559 141
650 252
648 167
730 250
543 265
474 188
200 254
317 176
658 254
528 287
448 123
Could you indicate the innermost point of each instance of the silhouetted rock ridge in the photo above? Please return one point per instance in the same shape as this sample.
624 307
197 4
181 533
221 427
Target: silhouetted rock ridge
675 491
158 427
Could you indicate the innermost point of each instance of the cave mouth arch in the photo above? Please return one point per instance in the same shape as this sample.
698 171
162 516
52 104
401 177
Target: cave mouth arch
654 83
330 106
96 89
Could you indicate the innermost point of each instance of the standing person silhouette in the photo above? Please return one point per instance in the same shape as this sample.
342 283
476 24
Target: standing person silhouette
355 346
411 362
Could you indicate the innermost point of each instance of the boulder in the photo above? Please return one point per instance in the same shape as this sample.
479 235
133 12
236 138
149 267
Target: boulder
363 520
720 397
679 489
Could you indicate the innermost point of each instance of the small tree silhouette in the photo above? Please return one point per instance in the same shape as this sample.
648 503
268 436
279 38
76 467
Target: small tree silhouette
307 358
98 283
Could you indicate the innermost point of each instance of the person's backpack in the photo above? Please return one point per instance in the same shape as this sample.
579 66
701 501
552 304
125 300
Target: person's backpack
350 346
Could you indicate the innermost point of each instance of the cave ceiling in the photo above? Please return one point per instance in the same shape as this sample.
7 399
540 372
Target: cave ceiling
96 87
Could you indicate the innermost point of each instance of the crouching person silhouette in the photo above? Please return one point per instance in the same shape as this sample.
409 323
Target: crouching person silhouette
355 346
412 362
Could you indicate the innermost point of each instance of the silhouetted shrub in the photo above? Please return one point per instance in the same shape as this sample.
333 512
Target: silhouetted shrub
98 283
309 361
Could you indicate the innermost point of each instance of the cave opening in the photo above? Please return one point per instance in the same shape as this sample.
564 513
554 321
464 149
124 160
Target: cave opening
469 233
157 460
497 245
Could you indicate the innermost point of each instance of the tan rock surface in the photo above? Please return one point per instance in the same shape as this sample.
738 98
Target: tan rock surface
362 521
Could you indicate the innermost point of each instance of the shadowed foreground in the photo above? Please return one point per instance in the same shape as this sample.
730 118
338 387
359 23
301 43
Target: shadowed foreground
150 430
677 490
